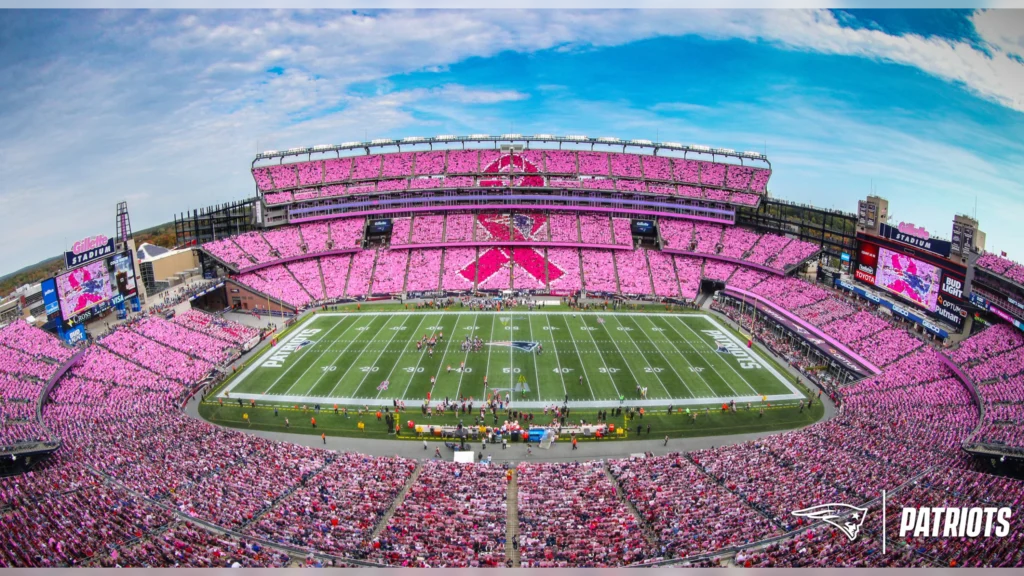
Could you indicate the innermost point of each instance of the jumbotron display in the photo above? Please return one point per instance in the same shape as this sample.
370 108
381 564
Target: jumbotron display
908 277
83 288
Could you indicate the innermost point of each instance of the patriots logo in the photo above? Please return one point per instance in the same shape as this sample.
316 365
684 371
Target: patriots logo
383 386
526 265
833 514
303 344
518 345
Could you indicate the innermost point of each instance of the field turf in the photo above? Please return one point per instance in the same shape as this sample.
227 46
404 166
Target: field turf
346 358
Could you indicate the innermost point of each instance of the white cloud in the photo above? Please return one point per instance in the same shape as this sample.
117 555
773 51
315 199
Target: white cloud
167 108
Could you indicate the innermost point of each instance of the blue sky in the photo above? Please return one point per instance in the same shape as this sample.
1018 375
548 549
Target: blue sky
166 109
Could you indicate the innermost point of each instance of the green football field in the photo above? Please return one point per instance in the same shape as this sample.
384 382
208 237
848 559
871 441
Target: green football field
538 358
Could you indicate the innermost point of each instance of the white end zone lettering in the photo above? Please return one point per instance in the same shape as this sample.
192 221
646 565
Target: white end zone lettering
747 362
285 350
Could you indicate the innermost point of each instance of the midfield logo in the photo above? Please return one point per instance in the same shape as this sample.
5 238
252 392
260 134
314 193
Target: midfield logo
518 345
834 514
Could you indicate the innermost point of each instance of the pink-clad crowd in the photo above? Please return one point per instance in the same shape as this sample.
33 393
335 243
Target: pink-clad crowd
452 516
572 515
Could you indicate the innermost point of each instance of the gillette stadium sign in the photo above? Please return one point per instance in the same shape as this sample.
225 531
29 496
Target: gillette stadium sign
88 249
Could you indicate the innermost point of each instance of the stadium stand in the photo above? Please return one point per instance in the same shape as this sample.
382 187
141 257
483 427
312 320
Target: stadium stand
570 515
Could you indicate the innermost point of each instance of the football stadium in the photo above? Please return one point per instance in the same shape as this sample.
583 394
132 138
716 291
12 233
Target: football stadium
396 286
526 351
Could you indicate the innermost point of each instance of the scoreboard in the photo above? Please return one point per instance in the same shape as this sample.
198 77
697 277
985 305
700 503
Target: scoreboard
915 275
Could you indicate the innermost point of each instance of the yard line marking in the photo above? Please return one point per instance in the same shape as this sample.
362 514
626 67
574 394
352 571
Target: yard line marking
462 374
533 355
296 362
727 363
583 363
601 354
511 359
710 364
404 350
424 353
313 387
559 363
691 364
674 371
487 369
350 366
351 363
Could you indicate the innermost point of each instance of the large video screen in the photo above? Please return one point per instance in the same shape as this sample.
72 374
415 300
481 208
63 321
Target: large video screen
378 227
908 277
644 228
95 283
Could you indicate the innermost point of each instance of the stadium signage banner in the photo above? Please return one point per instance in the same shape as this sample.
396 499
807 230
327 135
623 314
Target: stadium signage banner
933 245
88 249
951 311
867 263
50 300
952 287
895 308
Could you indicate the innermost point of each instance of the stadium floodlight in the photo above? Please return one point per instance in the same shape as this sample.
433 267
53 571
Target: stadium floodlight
608 139
350 144
671 144
270 152
752 154
701 147
727 150
543 137
575 137
641 142
511 136
446 137
377 141
479 136
322 147
413 139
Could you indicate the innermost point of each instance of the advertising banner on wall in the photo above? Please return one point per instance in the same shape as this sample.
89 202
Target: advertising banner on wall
867 263
50 300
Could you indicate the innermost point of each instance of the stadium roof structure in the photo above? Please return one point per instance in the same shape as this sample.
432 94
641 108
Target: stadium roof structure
512 139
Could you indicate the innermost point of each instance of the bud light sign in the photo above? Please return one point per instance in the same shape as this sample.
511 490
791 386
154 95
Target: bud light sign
87 250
